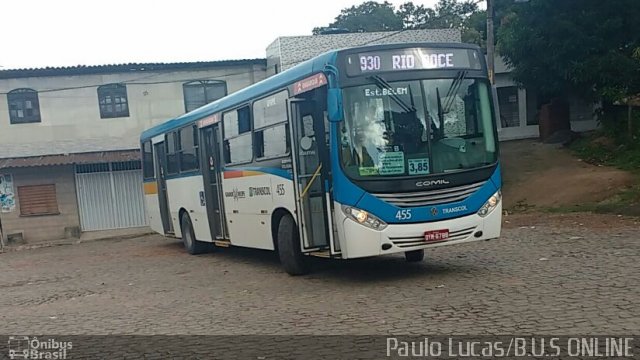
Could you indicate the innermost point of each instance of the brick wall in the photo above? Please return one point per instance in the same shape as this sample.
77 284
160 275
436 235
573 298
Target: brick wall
45 227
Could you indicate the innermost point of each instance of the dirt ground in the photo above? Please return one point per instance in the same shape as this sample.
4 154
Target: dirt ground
584 221
538 176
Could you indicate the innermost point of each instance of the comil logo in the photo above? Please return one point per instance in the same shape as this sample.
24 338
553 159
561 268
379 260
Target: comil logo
25 347
427 183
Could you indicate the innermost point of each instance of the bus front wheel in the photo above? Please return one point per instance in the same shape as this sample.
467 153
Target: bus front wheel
291 257
414 256
192 245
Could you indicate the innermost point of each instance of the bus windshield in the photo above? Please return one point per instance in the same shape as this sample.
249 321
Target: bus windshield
417 128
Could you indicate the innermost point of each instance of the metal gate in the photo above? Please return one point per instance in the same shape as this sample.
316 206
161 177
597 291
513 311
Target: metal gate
110 196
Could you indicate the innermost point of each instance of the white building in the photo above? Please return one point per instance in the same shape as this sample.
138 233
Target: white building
69 158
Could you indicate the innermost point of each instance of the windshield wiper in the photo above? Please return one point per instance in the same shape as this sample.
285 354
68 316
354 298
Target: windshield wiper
453 89
440 114
383 84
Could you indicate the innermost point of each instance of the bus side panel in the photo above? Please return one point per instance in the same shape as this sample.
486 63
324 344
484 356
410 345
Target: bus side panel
250 198
184 193
153 206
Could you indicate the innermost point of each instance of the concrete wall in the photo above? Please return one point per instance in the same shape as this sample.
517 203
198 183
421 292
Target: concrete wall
45 227
70 119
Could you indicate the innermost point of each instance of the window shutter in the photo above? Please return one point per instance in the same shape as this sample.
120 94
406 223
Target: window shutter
38 200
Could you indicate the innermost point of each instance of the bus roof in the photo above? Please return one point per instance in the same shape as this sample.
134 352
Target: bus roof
258 89
275 82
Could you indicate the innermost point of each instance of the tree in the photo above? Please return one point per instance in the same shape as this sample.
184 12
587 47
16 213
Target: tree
447 14
556 47
366 17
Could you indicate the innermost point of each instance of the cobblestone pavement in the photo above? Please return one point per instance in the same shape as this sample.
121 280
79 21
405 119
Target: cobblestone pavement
541 278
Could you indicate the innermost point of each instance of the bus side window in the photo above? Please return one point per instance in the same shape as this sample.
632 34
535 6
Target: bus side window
173 167
271 126
272 141
148 170
238 140
189 159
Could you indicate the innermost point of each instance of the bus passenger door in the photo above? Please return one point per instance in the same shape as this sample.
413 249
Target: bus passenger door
311 174
212 181
162 188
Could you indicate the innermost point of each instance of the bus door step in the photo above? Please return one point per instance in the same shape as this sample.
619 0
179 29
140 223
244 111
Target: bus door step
222 243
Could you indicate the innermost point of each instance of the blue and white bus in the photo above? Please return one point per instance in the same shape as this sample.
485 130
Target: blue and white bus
355 153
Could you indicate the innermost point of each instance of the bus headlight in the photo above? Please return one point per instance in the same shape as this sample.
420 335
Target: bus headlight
491 204
364 218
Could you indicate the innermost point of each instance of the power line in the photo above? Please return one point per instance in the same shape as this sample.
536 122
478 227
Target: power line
138 82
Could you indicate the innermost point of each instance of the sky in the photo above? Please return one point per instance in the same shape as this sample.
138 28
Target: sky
41 33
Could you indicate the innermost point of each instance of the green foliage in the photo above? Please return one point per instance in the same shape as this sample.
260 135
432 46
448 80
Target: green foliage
601 149
585 46
367 17
611 146
447 14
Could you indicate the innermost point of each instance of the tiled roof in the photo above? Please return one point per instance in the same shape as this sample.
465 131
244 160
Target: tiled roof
63 147
120 68
71 159
288 51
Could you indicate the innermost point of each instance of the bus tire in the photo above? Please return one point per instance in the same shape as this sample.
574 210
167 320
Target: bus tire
291 257
193 246
414 255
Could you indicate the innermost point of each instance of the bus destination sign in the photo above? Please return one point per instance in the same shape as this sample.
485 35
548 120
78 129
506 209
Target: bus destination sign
412 59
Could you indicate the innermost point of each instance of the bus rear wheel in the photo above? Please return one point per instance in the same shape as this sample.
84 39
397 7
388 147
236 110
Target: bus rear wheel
291 257
414 255
193 246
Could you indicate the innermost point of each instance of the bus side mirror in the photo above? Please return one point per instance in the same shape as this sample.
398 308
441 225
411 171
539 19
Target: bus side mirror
334 105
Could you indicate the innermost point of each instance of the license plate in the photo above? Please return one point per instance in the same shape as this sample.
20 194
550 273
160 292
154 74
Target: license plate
436 235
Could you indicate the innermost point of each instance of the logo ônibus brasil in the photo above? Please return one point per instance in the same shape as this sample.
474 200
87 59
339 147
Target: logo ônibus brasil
25 347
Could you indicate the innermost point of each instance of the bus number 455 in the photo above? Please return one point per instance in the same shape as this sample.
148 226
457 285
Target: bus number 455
403 214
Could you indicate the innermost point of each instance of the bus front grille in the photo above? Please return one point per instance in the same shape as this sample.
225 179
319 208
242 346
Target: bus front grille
431 197
411 241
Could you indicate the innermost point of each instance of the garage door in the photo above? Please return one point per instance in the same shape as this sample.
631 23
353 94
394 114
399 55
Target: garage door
110 196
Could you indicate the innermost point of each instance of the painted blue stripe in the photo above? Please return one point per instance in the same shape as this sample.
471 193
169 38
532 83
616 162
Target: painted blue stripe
387 212
347 193
287 174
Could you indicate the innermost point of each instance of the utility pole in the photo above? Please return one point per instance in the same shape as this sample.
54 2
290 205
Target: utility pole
490 43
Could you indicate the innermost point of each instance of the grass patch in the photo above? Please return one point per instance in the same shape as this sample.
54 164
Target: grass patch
599 149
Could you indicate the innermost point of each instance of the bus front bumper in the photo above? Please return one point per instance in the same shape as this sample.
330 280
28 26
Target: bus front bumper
358 241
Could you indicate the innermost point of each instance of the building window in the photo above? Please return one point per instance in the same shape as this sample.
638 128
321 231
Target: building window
38 200
188 149
509 108
237 136
113 101
202 92
24 106
148 171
